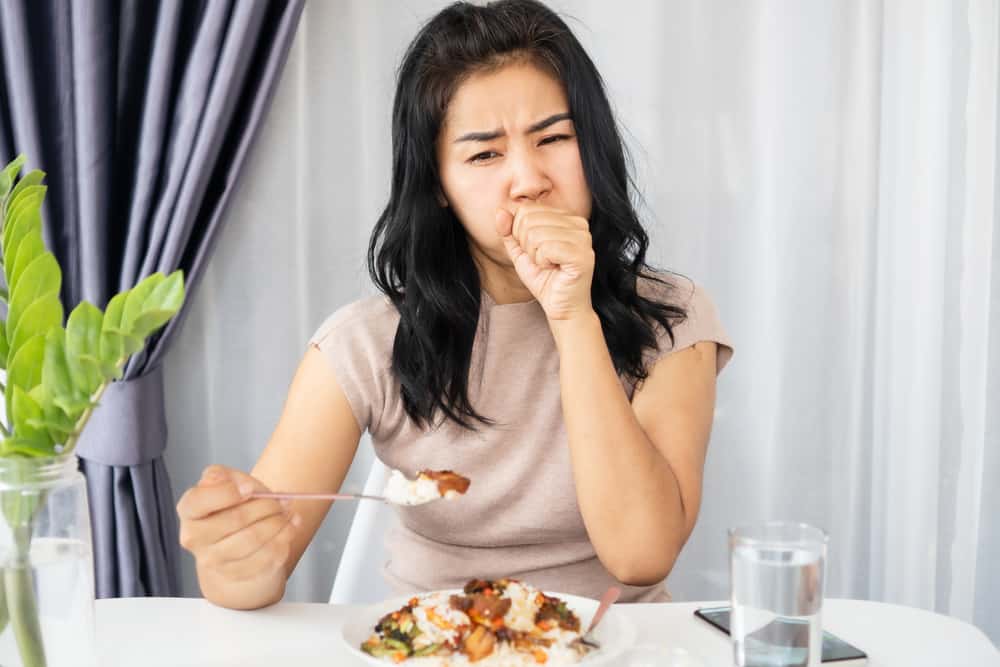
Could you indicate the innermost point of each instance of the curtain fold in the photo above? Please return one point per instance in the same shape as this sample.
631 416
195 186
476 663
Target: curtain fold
142 113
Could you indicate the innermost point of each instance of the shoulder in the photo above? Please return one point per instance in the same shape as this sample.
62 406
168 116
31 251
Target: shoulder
701 320
370 322
357 342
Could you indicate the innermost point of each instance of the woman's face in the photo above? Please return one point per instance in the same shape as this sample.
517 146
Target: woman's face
507 139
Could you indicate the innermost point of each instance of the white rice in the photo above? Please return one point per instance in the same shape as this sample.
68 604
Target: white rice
521 616
404 491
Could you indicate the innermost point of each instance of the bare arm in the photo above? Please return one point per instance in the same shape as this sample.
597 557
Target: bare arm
637 467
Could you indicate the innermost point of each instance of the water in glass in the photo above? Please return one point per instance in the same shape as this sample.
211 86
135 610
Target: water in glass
777 598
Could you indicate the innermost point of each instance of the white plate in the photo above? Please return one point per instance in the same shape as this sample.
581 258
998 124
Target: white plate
616 634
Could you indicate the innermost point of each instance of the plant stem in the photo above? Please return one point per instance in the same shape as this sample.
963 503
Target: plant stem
82 421
20 589
4 613
18 580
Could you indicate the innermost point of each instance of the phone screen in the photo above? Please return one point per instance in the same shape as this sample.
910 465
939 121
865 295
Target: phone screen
834 648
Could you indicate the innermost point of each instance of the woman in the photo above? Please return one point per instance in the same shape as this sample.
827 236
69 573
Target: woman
521 340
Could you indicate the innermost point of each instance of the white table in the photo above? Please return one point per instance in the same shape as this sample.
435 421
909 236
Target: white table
180 632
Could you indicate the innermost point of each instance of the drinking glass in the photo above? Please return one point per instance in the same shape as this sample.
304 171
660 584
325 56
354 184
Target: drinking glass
776 592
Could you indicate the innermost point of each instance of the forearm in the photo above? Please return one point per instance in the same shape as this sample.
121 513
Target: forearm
263 591
628 494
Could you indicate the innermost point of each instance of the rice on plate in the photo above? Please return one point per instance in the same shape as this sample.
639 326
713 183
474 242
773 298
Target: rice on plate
501 623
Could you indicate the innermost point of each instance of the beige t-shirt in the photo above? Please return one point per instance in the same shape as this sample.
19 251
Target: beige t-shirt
520 517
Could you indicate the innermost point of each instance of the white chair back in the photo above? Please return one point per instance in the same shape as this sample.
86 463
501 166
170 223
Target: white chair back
359 575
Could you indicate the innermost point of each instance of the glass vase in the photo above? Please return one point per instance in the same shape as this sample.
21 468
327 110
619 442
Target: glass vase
47 591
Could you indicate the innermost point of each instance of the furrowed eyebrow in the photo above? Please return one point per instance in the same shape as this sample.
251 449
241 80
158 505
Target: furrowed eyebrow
496 134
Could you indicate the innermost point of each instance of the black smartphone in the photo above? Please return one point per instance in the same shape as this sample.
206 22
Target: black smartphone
835 650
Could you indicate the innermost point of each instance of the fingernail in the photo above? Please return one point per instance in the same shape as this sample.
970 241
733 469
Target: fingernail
285 502
296 520
245 488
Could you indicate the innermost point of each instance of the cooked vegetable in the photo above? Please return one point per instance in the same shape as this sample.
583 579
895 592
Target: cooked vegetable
475 623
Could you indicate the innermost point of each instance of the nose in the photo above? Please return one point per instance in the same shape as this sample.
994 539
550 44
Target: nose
528 180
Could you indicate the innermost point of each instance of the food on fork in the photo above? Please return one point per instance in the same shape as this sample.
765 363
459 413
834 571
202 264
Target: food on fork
501 623
429 485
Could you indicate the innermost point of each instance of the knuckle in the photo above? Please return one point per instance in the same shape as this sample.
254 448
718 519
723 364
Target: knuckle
245 514
210 561
257 533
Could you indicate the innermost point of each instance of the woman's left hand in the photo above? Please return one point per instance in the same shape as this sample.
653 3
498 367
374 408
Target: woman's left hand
553 255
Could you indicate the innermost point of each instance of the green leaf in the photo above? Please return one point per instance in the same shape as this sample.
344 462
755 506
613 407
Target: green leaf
4 347
8 174
29 202
161 304
73 406
30 249
16 229
112 346
109 371
23 198
33 177
83 343
24 409
41 278
56 376
25 447
59 425
25 369
40 317
137 296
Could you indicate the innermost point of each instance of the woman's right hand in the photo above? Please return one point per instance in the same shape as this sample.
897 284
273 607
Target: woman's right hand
235 537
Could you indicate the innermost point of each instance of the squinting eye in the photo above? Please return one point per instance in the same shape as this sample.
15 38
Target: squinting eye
554 138
479 157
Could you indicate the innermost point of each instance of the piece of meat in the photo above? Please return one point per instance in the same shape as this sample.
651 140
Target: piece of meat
479 644
447 481
486 608
462 603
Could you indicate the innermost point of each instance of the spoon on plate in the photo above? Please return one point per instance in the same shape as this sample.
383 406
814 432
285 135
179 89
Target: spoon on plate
609 598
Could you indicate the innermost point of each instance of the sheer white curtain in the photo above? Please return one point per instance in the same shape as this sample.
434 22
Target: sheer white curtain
826 169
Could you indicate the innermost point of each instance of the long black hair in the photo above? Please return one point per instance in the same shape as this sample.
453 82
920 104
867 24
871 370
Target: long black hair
419 254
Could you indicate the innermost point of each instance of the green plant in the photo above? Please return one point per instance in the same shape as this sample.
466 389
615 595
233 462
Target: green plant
55 374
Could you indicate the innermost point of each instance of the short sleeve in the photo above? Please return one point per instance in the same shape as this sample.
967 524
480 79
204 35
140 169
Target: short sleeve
702 322
353 340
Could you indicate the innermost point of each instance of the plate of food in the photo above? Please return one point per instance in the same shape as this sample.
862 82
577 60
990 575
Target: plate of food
500 623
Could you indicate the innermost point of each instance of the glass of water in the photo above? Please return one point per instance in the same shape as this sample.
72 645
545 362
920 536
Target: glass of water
776 591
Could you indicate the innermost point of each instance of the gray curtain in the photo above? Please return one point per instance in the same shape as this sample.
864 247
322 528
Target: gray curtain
141 113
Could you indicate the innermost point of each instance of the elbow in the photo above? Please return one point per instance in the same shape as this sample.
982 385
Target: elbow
642 571
640 577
